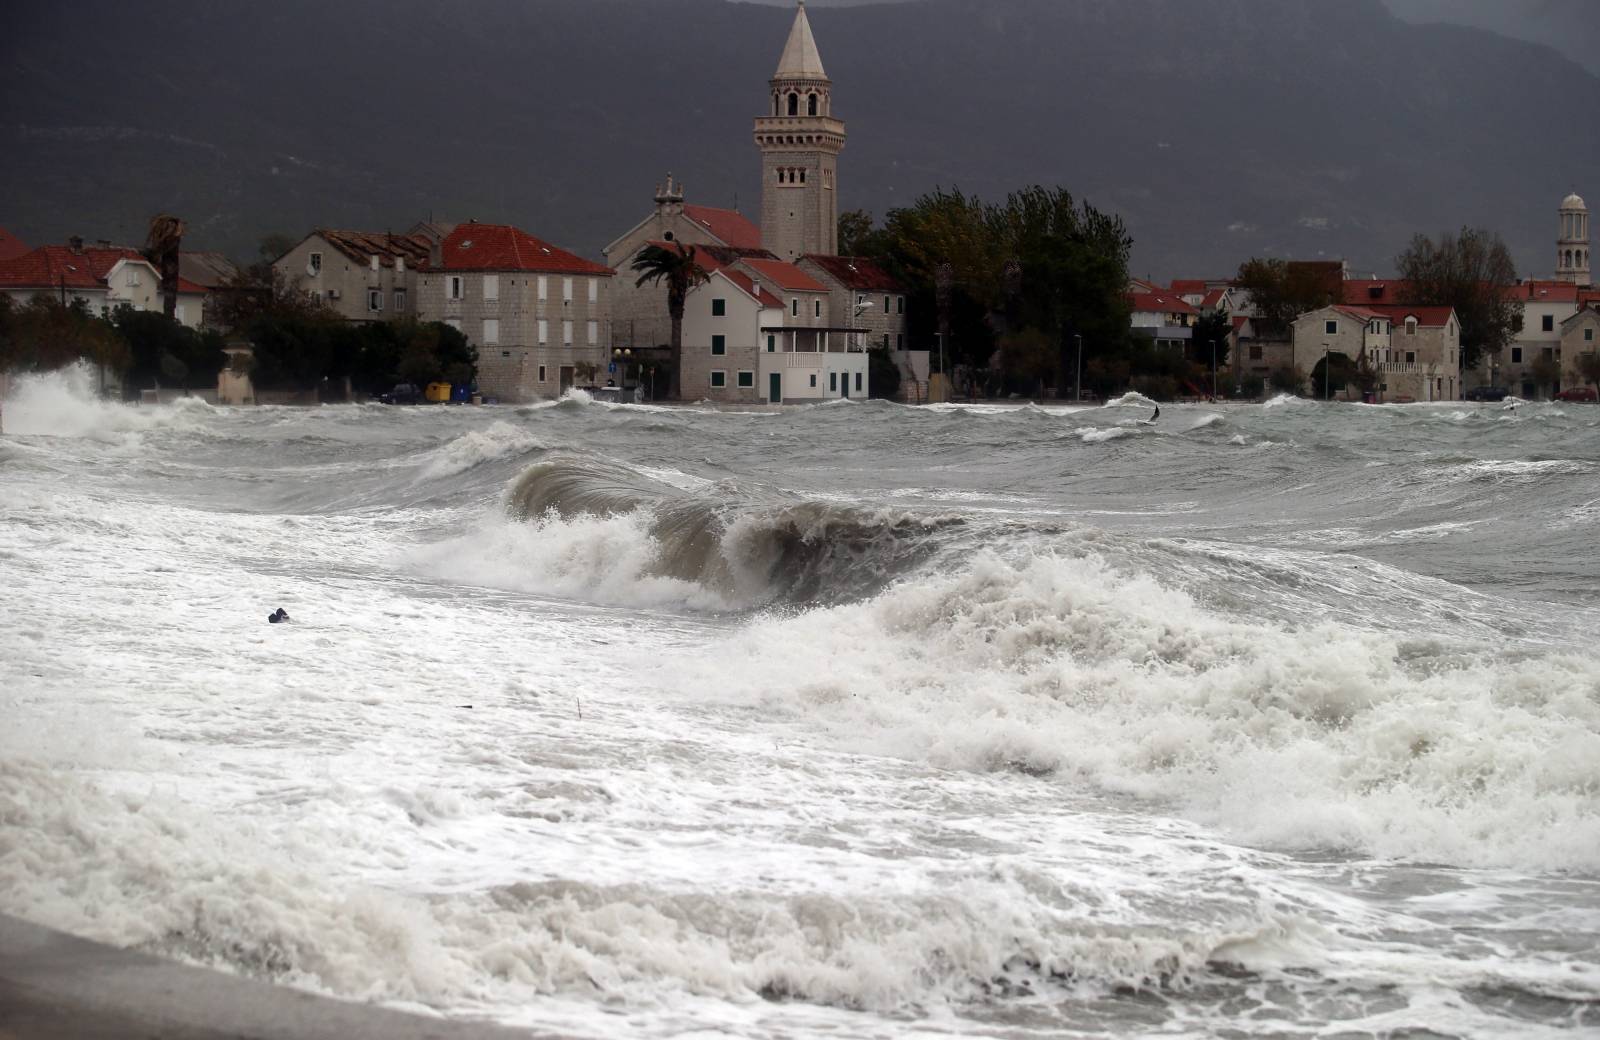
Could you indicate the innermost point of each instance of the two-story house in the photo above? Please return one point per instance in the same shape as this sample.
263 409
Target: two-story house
538 315
103 277
865 296
1161 316
359 275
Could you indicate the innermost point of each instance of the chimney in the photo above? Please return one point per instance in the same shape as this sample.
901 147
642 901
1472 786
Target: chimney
75 244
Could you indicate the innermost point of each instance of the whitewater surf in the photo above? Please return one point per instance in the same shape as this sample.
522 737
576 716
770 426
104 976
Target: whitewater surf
847 721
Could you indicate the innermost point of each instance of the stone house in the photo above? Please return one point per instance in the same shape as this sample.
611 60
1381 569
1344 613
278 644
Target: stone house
538 315
359 275
1580 337
104 277
1546 305
639 313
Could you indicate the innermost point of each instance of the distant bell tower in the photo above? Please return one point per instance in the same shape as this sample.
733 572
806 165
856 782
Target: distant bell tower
800 143
1572 247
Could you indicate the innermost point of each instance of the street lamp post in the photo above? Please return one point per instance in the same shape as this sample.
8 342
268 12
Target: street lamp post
1077 379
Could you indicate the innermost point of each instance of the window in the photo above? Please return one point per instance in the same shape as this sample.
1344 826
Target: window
899 304
813 380
833 382
374 299
541 373
794 308
719 308
491 331
454 323
1411 326
491 287
858 382
592 332
1549 323
544 333
566 333
1411 357
133 276
886 305
899 341
455 286
719 345
594 290
1330 327
747 379
719 379
544 289
772 343
861 299
315 266
794 104
374 262
1588 335
811 104
1255 352
1516 355
566 290
817 304
399 299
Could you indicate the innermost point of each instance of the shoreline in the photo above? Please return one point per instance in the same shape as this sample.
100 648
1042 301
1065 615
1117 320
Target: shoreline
55 986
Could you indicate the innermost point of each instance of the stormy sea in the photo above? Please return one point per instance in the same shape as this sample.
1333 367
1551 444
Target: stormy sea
850 721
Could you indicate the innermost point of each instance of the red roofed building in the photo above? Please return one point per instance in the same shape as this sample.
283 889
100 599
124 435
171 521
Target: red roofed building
640 312
360 275
1163 317
103 277
864 295
1414 353
539 315
11 246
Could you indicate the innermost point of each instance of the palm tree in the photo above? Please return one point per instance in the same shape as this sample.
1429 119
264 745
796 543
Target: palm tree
675 266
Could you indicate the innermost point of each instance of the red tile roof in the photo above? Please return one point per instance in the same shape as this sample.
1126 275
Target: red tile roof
1188 285
11 246
855 272
501 247
1373 290
783 274
362 246
55 267
1213 299
1427 317
744 281
729 225
1164 303
1533 291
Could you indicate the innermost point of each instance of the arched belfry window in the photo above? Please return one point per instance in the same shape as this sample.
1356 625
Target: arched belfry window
811 105
794 104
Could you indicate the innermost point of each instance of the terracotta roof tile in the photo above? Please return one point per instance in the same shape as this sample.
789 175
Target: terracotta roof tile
854 272
11 246
745 282
501 247
1427 317
54 267
783 274
362 246
1164 303
1188 285
729 225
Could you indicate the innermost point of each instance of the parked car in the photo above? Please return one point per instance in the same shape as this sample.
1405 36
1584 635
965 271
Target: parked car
403 393
1487 393
1578 393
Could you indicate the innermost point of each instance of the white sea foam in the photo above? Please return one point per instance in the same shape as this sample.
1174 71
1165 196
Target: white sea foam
63 403
476 447
1315 738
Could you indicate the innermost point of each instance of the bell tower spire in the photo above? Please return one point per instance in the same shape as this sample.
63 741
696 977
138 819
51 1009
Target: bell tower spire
800 141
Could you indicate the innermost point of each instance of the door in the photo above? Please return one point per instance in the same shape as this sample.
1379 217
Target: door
844 384
566 378
775 388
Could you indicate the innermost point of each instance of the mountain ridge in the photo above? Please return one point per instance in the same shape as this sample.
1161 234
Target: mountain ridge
1219 130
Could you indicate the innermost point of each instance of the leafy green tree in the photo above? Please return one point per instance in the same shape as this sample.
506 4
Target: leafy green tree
883 375
167 353
857 236
1332 374
676 267
1473 272
291 351
1281 291
1027 359
1214 327
45 334
1286 380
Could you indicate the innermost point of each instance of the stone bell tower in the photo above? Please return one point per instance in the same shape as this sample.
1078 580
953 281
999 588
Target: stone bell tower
800 143
1572 247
